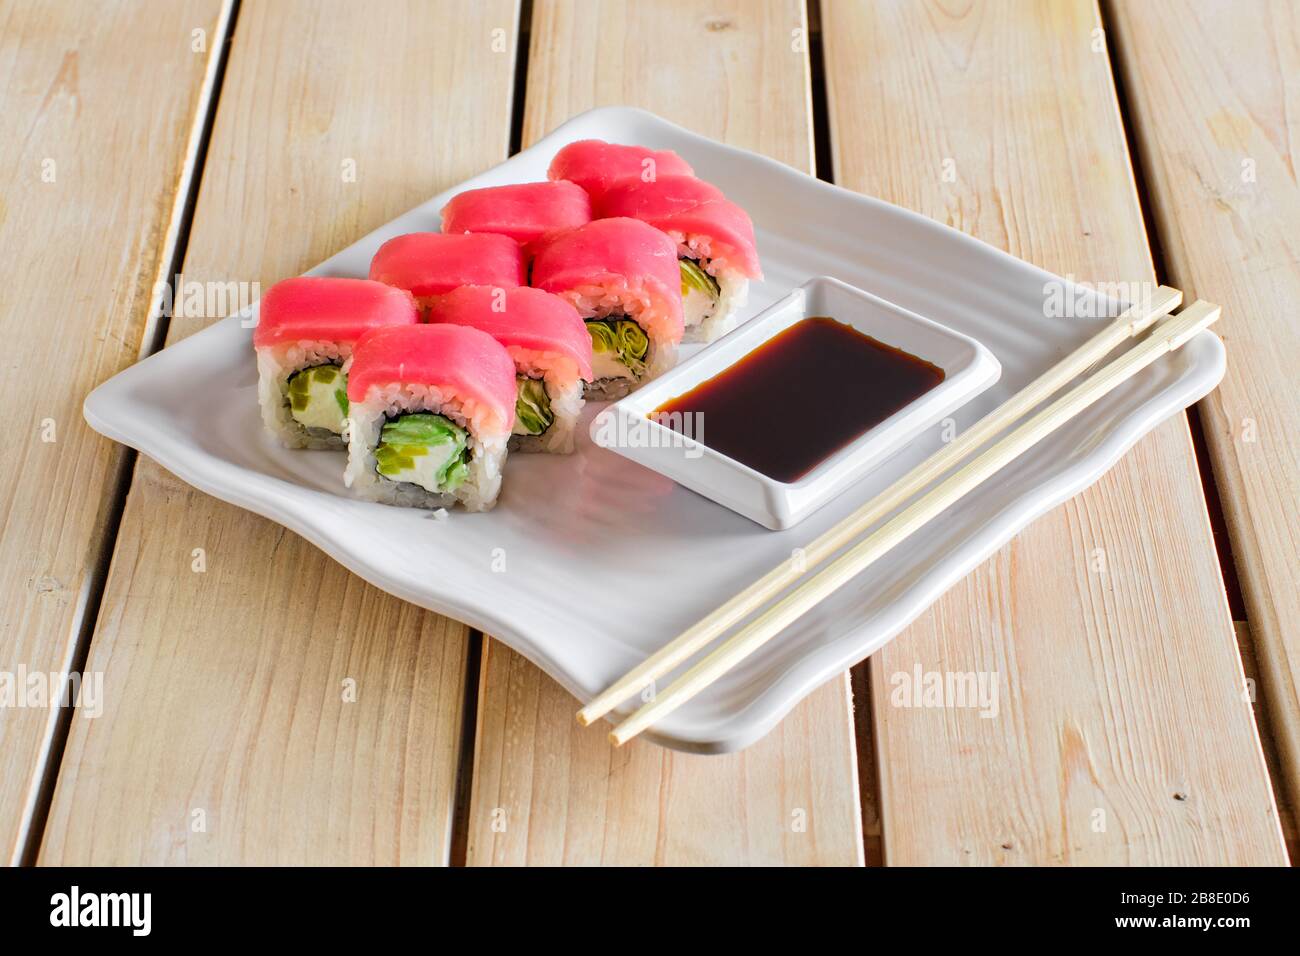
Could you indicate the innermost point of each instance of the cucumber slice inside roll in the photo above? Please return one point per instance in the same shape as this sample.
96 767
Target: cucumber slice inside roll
425 449
318 397
533 413
695 278
623 339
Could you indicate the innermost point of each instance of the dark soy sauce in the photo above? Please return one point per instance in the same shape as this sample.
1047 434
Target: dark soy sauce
800 397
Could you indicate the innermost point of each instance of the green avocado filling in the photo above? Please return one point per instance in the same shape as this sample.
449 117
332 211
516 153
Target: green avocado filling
318 397
695 278
533 413
624 338
425 449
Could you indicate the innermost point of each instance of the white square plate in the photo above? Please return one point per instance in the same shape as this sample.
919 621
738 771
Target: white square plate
602 560
968 368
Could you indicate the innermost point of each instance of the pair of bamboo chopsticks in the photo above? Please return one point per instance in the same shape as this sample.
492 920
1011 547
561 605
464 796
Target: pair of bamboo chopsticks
1170 334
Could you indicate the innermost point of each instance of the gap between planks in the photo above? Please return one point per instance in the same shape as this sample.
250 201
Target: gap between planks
461 801
1223 547
1228 564
152 338
962 30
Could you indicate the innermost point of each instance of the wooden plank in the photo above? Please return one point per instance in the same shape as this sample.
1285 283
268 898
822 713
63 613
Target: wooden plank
82 243
1212 91
546 791
1123 735
227 736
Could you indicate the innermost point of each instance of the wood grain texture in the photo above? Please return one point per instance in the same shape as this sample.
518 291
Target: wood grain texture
1123 735
546 791
225 690
1215 102
82 243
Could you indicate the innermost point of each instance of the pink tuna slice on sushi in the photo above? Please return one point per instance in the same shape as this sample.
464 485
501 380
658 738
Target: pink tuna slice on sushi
616 262
596 165
551 349
703 223
667 194
524 321
430 264
322 309
469 363
524 211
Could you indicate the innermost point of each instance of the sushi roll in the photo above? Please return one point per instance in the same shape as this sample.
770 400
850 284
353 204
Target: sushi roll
716 251
430 264
431 409
622 277
596 165
524 211
551 350
306 331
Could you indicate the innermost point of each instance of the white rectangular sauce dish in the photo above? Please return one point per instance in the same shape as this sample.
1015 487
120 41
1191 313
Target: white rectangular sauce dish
684 455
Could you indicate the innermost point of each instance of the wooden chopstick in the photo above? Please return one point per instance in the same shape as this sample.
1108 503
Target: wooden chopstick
1169 335
1131 322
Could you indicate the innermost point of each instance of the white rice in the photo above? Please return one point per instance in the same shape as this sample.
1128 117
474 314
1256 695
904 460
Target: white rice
276 364
487 446
713 323
733 286
563 387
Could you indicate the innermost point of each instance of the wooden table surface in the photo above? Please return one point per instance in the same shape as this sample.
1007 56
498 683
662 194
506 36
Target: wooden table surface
1147 633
